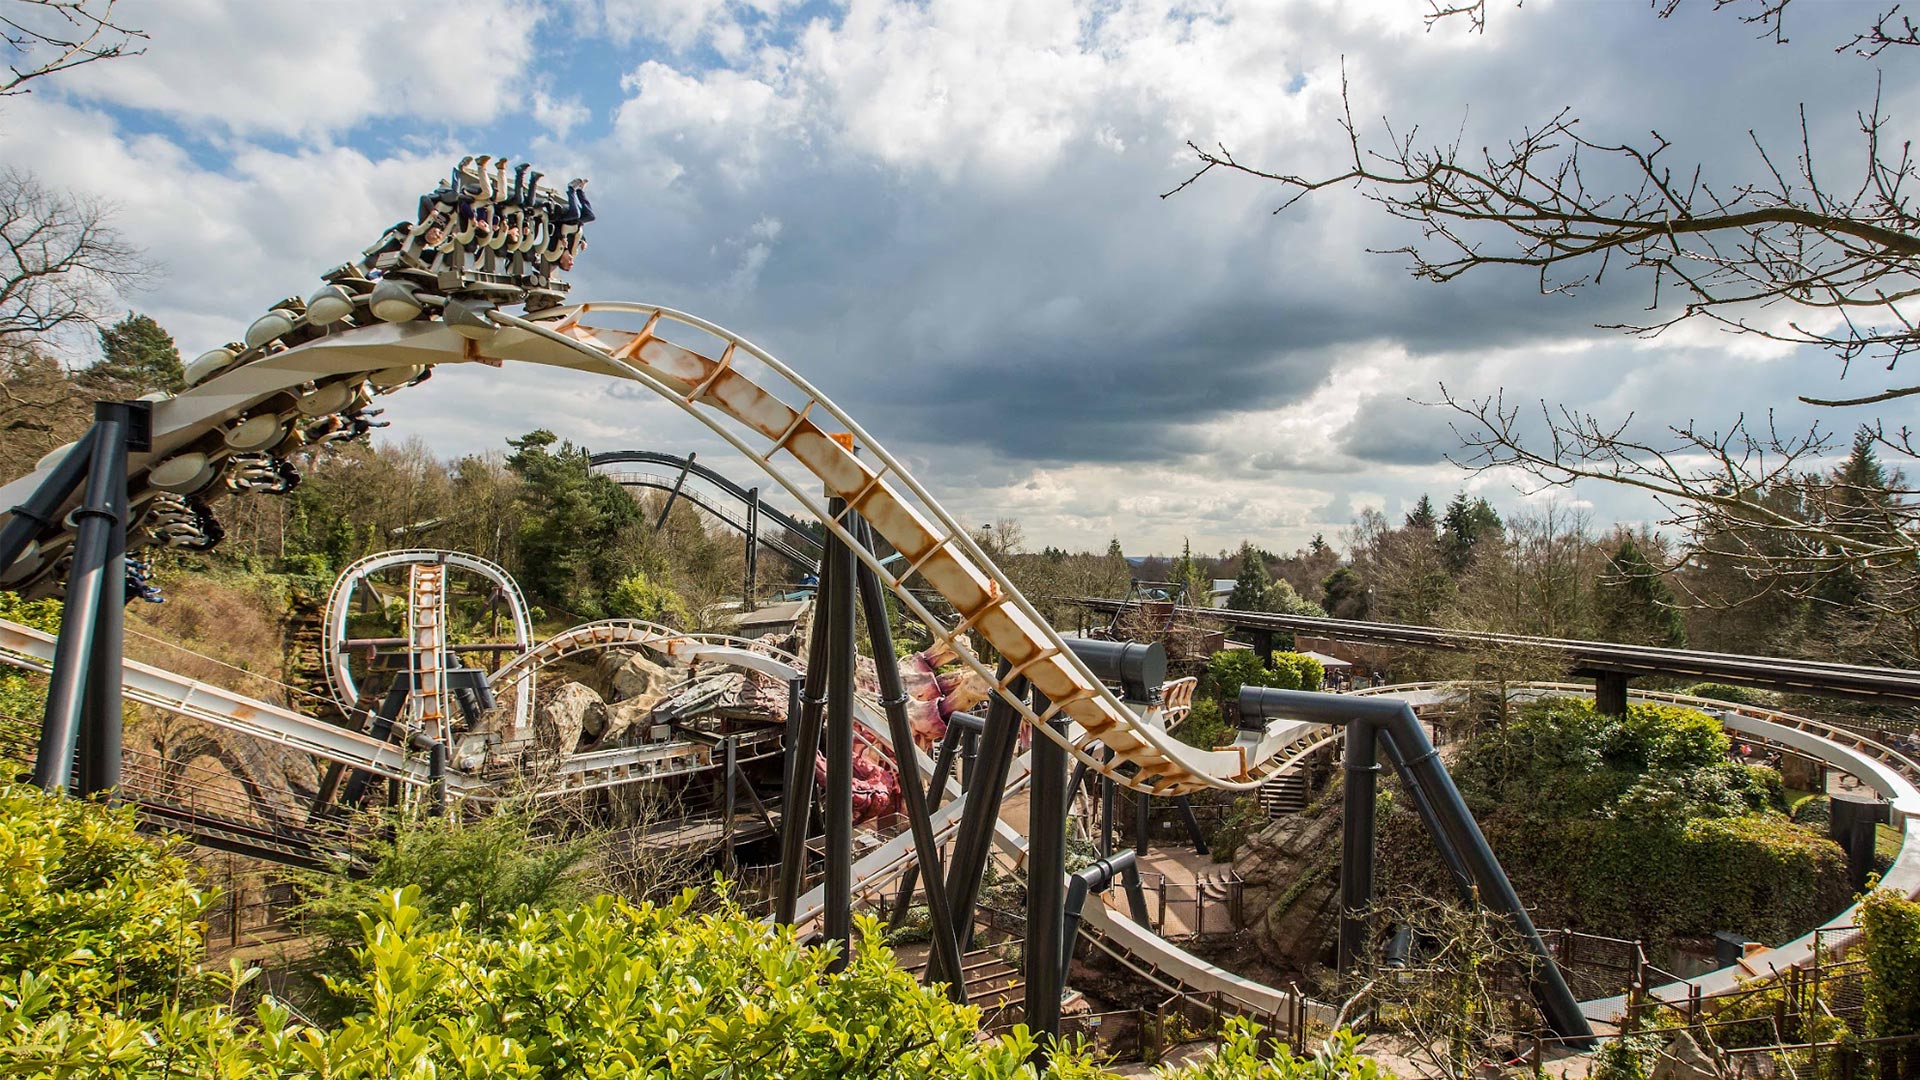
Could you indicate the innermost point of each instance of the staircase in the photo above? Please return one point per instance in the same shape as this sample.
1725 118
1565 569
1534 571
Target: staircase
1288 793
994 984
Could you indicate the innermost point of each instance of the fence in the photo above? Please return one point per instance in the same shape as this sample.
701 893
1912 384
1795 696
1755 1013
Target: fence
1184 910
253 908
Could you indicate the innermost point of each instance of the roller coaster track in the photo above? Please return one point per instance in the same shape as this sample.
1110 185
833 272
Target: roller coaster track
725 392
803 559
1877 684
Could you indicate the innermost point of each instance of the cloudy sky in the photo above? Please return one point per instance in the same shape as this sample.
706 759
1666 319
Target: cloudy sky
947 214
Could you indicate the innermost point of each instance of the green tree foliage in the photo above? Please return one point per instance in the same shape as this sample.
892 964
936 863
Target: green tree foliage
90 910
1890 941
138 353
1344 594
1186 571
1577 803
1466 525
638 596
1253 588
1635 604
485 870
571 522
1422 515
1231 669
22 695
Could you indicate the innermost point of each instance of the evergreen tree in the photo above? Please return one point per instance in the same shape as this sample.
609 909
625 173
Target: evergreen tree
1344 594
1253 587
139 353
1187 572
1635 605
1466 524
571 523
1113 550
1423 516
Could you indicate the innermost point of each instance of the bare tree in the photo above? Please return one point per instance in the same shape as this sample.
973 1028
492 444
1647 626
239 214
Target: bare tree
1802 252
61 260
45 37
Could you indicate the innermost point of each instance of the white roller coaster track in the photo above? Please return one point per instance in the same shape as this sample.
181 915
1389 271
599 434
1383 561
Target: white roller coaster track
721 394
339 670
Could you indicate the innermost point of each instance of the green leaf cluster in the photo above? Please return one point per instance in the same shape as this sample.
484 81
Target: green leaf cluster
1239 1057
91 911
1639 826
1232 669
638 596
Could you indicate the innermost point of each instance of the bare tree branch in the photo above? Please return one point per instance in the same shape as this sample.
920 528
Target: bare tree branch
45 37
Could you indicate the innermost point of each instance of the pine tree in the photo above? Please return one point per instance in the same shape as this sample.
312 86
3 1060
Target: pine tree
1467 524
1253 588
138 352
1187 572
1636 607
1423 516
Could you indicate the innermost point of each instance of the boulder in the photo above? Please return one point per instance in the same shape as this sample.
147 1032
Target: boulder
1291 895
619 675
1683 1059
615 719
564 717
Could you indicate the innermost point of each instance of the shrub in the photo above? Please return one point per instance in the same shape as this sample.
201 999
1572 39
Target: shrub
1890 942
1307 673
638 596
486 869
1240 1057
90 910
1205 726
1733 695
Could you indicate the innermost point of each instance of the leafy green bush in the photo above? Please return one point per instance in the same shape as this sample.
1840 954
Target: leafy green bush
1307 673
1890 942
1239 1057
1232 669
1577 803
638 596
1733 695
1205 726
91 910
23 696
1242 819
486 870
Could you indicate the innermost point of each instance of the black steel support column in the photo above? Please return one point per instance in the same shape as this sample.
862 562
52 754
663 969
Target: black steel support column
103 715
437 779
1423 805
973 843
944 961
1356 843
1263 647
1193 825
1107 790
936 795
838 920
674 494
1365 719
1142 820
1610 693
34 516
753 549
95 521
1046 888
730 754
803 744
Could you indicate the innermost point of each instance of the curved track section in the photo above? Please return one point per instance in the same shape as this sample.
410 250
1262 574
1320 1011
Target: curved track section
339 671
725 392
774 543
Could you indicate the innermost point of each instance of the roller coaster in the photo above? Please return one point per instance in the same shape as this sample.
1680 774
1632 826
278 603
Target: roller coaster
307 373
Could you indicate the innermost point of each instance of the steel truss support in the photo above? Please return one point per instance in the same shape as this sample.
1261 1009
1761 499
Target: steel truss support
1046 889
84 711
1369 722
944 961
999 740
803 745
958 726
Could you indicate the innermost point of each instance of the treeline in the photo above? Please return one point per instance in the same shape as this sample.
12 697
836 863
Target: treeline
1552 571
